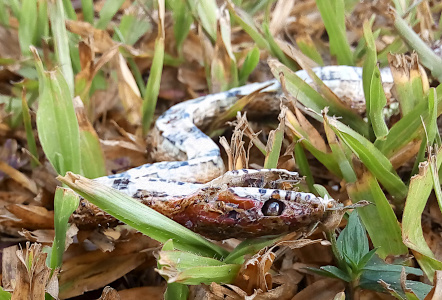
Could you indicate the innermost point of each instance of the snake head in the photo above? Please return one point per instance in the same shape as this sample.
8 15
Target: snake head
247 212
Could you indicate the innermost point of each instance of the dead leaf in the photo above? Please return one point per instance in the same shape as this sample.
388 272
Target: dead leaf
436 291
128 91
254 273
90 67
19 177
109 294
194 78
9 267
426 22
15 197
32 217
321 290
280 16
9 45
154 292
284 289
42 236
31 275
102 40
89 270
83 277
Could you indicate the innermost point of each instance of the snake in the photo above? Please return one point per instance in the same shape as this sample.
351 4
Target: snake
189 183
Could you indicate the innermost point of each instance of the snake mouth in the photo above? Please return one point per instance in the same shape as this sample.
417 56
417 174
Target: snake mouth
273 208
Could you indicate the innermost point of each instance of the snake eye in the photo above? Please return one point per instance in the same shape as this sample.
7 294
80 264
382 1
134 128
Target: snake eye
273 208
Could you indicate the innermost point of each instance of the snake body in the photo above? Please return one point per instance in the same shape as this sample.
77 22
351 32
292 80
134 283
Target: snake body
188 184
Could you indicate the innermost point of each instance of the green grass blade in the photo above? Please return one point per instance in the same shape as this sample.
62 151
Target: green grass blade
372 158
192 269
310 98
436 182
61 43
42 19
401 6
132 28
431 130
340 155
250 63
4 14
412 233
32 145
4 295
207 275
182 21
252 7
438 32
74 53
397 46
307 46
361 48
304 166
408 128
321 154
275 50
376 105
247 24
65 203
15 8
56 121
69 9
108 12
88 10
174 290
333 15
326 159
184 260
374 93
206 12
27 28
420 157
141 217
93 163
426 55
404 131
274 143
408 81
379 219
153 84
92 157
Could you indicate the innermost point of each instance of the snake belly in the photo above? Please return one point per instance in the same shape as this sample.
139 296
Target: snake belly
190 185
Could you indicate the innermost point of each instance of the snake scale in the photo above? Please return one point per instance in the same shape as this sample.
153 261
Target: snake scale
190 186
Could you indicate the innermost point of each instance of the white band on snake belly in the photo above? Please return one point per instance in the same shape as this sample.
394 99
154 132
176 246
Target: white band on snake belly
193 158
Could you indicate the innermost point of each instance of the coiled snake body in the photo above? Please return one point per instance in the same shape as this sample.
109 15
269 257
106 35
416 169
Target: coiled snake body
243 203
